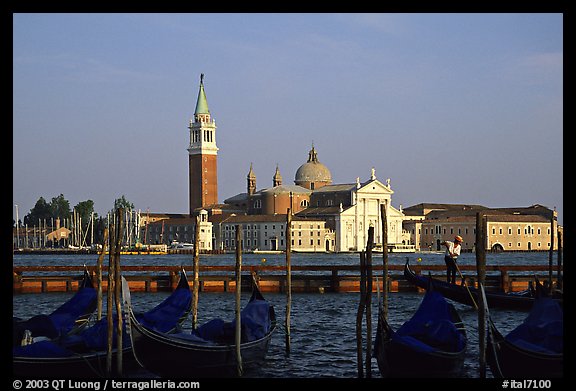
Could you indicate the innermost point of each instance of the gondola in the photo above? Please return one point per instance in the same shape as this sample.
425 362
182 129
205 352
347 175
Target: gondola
522 301
69 318
84 354
430 344
532 350
209 350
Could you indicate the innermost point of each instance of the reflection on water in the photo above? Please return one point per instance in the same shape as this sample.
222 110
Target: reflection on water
323 326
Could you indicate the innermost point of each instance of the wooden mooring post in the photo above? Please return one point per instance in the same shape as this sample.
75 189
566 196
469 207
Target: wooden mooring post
114 290
481 271
559 270
99 274
369 246
551 253
360 314
288 278
118 293
365 305
238 292
384 260
195 268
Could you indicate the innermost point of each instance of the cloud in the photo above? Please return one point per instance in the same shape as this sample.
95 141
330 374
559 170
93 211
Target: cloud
70 67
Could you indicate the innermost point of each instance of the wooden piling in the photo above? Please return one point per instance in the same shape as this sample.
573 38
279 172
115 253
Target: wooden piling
288 277
360 314
109 298
384 260
559 269
481 271
551 253
99 273
118 291
368 300
238 290
196 265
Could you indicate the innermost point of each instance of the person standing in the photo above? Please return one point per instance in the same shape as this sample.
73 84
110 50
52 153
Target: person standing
450 257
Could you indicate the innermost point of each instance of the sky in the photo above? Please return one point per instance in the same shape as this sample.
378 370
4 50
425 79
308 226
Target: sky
452 108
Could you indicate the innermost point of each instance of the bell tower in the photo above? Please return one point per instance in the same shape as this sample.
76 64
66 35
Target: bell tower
202 153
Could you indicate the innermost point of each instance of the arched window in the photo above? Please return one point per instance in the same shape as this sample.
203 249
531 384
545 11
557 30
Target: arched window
304 203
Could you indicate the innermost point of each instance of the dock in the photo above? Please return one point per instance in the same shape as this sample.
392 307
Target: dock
305 279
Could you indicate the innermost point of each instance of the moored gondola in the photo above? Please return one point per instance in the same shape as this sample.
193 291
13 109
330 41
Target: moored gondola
431 344
69 318
208 351
522 301
85 353
532 350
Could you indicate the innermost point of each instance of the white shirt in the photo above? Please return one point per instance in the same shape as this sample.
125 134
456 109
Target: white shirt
453 249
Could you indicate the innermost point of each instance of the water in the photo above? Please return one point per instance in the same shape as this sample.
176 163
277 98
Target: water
323 326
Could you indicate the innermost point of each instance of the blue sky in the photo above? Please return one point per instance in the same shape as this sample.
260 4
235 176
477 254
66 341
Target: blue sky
453 108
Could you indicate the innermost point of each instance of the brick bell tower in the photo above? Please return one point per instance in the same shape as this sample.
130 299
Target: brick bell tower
202 154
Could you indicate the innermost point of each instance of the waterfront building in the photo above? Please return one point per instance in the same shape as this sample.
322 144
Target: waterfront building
267 232
506 229
178 228
350 209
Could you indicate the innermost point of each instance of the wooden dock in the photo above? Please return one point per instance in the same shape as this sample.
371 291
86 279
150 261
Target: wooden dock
305 279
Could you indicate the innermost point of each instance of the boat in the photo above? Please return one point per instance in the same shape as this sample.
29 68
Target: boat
209 350
69 318
522 301
395 248
432 343
84 354
532 350
257 251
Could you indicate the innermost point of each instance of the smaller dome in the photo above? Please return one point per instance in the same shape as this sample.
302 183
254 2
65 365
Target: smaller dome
312 171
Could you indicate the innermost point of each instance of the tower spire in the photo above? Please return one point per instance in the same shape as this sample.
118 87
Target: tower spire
251 181
277 179
201 102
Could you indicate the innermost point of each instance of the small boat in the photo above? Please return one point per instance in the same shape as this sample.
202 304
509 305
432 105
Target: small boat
209 350
522 301
84 354
69 318
430 344
532 350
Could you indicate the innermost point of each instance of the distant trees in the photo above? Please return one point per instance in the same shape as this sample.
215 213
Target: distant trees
45 214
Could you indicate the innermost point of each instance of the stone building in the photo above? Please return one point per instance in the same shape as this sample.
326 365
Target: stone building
507 229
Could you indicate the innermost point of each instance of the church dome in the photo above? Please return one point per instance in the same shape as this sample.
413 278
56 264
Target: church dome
313 174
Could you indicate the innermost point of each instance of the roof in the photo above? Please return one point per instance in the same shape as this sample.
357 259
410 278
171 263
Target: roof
346 187
313 170
320 211
278 218
202 103
284 189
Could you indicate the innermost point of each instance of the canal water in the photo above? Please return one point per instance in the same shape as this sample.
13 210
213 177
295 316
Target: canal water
323 326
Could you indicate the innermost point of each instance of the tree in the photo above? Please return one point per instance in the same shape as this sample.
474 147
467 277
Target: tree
60 207
123 203
41 211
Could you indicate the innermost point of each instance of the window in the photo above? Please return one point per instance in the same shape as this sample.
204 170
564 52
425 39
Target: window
304 203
